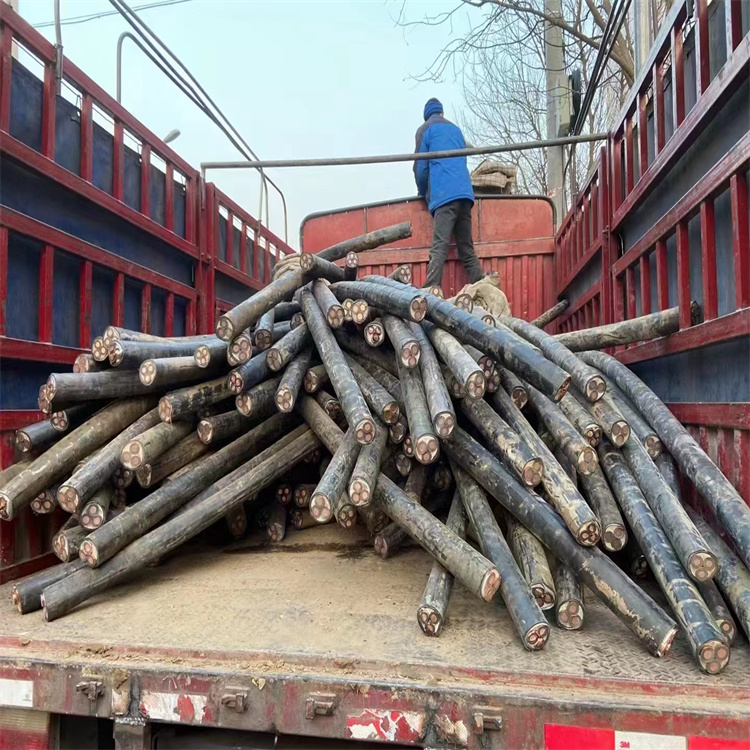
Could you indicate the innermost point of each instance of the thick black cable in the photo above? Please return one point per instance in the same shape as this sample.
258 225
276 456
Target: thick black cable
248 153
609 39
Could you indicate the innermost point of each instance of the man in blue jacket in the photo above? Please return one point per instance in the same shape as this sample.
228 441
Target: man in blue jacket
446 186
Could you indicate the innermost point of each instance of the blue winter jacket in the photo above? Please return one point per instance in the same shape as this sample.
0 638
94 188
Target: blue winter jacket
440 181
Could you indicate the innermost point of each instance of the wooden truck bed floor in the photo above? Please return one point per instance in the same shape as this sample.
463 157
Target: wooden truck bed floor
321 612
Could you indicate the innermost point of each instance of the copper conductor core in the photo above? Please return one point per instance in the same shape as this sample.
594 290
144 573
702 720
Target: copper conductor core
702 566
224 329
147 372
320 508
430 621
426 449
365 432
99 350
533 471
620 433
475 385
536 638
445 422
587 461
595 388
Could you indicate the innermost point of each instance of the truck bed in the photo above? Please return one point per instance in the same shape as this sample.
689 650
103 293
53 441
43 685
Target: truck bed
321 614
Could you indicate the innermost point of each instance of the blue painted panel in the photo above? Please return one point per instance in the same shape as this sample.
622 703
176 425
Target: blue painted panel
180 200
68 135
713 373
180 316
26 106
133 305
45 200
103 159
157 194
66 311
589 275
19 385
22 308
231 290
726 129
158 311
102 298
132 179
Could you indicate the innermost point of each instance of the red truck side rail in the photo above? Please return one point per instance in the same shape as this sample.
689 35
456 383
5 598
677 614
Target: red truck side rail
125 176
513 237
684 252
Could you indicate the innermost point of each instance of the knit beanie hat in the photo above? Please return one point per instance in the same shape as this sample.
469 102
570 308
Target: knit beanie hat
433 107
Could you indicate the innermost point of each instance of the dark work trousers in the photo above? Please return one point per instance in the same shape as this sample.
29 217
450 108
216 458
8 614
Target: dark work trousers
453 218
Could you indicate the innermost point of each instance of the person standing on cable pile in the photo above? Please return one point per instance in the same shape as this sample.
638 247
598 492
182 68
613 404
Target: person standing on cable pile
446 186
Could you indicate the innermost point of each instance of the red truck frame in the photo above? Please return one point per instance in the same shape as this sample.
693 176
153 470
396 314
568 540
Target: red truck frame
608 264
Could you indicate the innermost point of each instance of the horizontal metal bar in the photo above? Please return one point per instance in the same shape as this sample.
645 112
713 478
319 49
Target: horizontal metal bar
235 273
733 416
37 351
31 227
726 328
391 158
15 419
50 169
711 184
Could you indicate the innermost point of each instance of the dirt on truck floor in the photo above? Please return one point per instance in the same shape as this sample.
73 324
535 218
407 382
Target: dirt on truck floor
324 597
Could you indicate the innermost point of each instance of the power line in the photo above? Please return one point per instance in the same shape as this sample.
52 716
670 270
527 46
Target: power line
96 16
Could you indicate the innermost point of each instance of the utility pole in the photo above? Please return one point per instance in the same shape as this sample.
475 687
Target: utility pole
556 89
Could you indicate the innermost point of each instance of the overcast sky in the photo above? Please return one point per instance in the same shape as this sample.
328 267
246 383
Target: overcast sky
298 79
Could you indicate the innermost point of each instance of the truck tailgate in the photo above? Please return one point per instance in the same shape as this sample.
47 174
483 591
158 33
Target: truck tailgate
321 618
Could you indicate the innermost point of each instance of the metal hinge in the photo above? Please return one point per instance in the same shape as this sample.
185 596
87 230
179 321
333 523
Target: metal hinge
92 689
237 701
486 719
319 704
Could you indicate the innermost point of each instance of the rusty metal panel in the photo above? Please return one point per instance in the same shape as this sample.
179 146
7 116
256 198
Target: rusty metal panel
321 230
513 237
